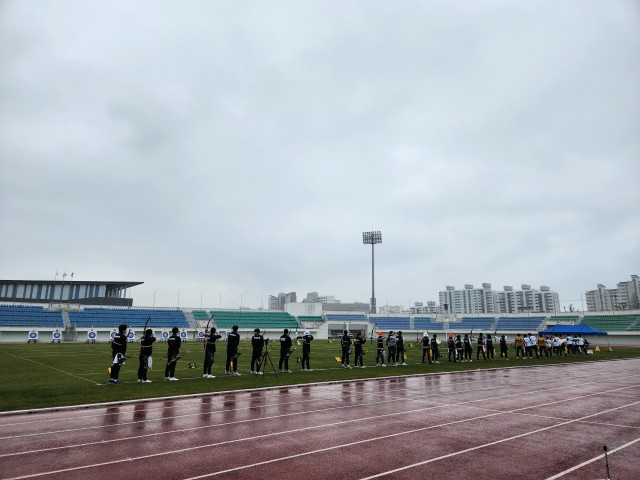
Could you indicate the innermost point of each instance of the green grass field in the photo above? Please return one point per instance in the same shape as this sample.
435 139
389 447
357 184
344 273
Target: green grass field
48 375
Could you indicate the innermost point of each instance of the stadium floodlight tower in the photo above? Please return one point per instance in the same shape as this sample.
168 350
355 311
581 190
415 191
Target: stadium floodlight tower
371 238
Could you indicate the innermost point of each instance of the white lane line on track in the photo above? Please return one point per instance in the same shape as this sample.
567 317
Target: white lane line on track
598 424
218 395
426 375
114 425
591 460
154 409
478 447
258 464
182 430
258 437
53 368
432 403
396 390
551 417
262 419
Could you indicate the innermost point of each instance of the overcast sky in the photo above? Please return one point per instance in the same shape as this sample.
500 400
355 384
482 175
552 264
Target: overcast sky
221 152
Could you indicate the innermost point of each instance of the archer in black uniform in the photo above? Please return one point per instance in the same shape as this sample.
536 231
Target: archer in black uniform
481 347
459 348
257 344
400 348
173 353
489 345
425 347
146 349
345 343
209 352
358 343
391 349
233 340
468 348
504 349
380 351
306 350
451 347
435 352
118 349
285 351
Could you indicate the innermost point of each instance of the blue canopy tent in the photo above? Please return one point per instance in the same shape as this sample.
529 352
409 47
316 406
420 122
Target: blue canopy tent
581 329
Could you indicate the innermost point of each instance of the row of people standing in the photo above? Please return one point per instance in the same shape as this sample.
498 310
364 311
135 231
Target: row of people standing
395 353
549 346
358 350
258 351
390 350
460 348
119 349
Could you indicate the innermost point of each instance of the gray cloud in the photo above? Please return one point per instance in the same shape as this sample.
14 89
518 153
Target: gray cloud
237 150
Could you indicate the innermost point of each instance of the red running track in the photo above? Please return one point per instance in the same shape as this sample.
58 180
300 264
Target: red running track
525 423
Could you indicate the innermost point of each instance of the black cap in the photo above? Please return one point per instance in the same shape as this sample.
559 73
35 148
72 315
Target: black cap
122 327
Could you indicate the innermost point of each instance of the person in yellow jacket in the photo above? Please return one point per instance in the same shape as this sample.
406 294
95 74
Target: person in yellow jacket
519 343
542 345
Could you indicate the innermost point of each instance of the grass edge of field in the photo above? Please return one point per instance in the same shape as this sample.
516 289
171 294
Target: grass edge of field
114 393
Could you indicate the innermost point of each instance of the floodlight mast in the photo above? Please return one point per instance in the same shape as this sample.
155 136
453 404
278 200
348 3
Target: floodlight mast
371 238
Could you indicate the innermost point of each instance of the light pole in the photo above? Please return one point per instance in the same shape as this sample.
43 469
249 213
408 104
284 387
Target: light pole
371 238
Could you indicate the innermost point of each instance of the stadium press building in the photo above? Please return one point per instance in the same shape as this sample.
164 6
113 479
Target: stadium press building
67 291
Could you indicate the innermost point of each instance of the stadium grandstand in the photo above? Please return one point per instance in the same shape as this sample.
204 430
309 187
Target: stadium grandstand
391 323
310 319
478 324
572 319
346 317
76 321
528 324
29 316
620 323
200 316
426 323
83 310
110 317
250 319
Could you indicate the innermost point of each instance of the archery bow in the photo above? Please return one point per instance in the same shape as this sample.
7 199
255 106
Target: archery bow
206 329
